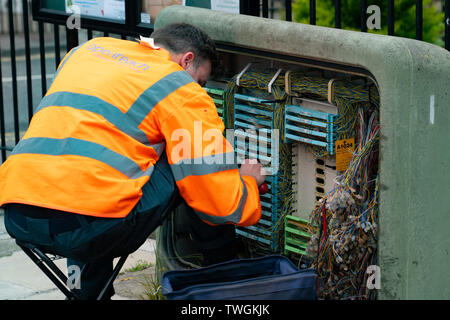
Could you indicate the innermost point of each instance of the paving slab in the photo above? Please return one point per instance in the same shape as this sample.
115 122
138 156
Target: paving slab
21 279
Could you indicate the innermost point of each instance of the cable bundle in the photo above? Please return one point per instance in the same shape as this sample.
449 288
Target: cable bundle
344 224
346 220
347 96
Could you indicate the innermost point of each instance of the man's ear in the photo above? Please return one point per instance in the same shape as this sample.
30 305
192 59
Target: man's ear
186 59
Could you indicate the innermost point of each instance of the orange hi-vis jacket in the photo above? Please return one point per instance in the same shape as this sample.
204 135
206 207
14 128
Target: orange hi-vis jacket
112 109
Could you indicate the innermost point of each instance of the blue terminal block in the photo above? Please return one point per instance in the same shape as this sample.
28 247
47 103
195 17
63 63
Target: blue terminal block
311 127
254 124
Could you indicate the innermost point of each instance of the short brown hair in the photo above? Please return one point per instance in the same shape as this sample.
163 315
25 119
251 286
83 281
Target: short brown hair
183 37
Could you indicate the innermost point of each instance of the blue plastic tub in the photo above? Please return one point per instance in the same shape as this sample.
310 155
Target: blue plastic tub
268 278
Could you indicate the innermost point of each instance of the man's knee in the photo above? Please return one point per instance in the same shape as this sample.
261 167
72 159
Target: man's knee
26 228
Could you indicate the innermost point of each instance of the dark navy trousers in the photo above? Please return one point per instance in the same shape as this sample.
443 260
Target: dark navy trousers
91 241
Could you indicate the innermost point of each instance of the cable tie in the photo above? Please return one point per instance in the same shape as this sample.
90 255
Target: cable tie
242 73
269 87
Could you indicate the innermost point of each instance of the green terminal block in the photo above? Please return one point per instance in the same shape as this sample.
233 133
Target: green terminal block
296 235
217 96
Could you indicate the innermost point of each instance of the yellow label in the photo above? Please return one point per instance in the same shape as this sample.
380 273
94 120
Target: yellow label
344 153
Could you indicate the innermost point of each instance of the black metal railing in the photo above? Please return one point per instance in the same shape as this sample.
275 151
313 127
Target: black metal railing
263 7
447 24
53 38
10 91
39 47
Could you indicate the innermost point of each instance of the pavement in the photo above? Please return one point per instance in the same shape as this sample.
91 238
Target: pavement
21 279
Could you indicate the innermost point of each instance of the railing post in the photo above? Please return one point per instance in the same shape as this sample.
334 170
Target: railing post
131 14
364 15
250 7
419 19
288 4
312 12
42 53
2 115
447 24
13 70
26 30
337 14
71 38
265 8
391 17
57 45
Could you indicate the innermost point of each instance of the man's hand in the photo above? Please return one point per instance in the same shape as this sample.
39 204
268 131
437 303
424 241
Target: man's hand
252 168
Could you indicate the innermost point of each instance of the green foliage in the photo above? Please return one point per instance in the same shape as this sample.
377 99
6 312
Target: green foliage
141 265
404 12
